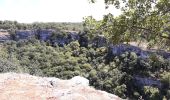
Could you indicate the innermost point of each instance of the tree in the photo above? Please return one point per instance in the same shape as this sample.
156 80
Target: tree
147 19
120 90
152 93
165 78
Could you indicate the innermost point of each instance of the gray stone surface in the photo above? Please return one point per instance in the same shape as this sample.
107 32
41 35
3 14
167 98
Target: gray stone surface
116 50
44 34
145 81
78 80
4 35
99 41
25 34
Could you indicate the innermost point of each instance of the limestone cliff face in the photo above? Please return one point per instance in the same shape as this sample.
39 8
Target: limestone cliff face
4 35
27 87
25 34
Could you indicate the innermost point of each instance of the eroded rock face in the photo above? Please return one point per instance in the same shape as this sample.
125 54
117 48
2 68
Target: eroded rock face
25 34
45 34
99 41
4 36
143 81
23 86
83 41
116 50
72 36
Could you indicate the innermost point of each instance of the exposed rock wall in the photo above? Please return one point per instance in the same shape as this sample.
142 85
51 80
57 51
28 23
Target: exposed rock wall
4 36
25 34
98 41
26 87
45 34
116 50
144 81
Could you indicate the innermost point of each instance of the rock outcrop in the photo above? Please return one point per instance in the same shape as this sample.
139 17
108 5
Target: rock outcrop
99 41
45 34
25 34
4 36
145 81
117 50
27 87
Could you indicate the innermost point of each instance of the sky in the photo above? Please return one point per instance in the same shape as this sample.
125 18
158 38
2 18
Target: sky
28 11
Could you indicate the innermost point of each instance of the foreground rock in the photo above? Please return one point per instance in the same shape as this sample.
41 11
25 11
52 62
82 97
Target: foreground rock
26 87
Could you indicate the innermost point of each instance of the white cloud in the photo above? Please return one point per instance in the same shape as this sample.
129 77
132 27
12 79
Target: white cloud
51 10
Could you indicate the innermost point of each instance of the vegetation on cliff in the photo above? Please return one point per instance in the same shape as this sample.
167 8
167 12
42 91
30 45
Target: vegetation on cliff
127 75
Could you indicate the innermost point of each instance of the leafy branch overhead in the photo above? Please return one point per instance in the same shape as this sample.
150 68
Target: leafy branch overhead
148 19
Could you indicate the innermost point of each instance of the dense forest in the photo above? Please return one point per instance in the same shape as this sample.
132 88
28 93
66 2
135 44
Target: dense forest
14 25
116 67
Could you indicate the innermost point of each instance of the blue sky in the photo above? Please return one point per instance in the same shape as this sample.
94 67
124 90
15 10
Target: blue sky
29 11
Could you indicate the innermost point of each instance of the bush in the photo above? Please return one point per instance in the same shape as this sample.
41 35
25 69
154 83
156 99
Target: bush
152 93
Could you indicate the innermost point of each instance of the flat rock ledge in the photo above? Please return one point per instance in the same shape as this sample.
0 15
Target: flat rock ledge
15 86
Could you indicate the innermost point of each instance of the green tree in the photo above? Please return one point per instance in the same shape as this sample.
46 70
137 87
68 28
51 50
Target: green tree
165 77
139 19
152 93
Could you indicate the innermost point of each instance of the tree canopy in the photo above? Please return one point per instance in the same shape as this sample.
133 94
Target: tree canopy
124 70
140 19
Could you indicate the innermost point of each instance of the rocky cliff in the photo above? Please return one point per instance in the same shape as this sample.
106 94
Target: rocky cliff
27 87
4 35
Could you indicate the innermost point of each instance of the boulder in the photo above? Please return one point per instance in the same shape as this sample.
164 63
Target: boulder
78 80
